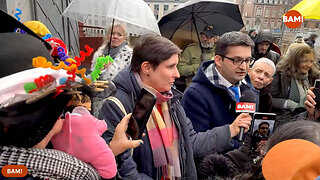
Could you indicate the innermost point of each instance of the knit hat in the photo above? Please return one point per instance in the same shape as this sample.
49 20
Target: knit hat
293 159
37 27
209 31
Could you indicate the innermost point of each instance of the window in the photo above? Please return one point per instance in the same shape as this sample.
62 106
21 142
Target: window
165 8
265 1
272 24
274 13
279 24
265 22
267 12
305 24
259 11
104 23
156 7
157 16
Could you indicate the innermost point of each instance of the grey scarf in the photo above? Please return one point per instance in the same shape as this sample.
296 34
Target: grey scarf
114 51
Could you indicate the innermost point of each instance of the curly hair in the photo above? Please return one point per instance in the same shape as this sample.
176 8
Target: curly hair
290 63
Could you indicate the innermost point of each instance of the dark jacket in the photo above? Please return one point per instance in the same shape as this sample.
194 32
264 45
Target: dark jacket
264 36
190 143
210 105
280 89
265 100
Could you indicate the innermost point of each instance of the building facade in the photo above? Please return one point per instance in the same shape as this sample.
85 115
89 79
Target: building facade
160 7
267 14
49 13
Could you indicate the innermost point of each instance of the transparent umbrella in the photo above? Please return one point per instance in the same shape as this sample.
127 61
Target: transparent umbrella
135 14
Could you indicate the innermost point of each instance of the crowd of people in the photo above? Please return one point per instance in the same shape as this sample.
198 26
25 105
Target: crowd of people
46 123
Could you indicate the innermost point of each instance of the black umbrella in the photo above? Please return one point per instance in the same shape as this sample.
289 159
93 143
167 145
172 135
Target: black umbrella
184 22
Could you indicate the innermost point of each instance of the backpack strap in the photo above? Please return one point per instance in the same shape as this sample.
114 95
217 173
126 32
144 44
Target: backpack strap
118 103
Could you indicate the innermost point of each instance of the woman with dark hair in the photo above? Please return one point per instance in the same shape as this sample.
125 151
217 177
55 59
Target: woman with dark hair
295 74
170 143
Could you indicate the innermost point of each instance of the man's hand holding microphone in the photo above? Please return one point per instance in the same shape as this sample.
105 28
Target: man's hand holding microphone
246 107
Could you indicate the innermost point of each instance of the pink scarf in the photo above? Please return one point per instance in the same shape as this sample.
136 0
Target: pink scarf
163 136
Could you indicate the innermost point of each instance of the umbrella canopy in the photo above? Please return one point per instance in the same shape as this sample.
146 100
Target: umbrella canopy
136 14
310 9
187 20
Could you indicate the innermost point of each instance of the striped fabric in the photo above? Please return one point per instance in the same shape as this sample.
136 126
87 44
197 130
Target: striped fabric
163 138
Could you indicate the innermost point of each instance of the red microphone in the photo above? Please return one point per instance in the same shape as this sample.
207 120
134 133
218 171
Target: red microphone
247 104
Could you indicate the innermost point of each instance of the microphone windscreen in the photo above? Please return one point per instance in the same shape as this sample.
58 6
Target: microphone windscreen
248 96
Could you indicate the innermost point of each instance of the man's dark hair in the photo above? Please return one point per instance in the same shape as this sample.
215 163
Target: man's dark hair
233 38
264 123
313 35
154 49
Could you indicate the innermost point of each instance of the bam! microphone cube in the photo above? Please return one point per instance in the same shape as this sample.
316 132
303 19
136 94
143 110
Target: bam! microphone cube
245 107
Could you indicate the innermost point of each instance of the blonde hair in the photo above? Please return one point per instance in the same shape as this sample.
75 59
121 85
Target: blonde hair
107 38
290 63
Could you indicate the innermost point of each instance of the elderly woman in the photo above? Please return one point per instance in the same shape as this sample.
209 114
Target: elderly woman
295 74
119 51
168 154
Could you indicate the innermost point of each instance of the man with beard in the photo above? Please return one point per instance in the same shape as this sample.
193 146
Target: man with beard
263 45
193 56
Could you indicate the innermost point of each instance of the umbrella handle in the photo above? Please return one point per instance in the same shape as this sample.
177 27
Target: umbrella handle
109 43
195 25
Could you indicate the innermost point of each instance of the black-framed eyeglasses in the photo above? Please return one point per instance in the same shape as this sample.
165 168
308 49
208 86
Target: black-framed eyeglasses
239 61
